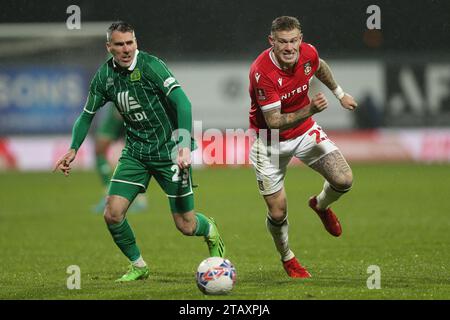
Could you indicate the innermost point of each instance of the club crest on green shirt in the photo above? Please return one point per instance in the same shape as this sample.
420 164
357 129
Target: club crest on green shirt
135 75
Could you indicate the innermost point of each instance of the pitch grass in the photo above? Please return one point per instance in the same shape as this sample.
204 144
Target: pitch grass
396 217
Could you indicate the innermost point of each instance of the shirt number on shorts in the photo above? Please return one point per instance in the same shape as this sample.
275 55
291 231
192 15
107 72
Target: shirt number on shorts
176 174
320 135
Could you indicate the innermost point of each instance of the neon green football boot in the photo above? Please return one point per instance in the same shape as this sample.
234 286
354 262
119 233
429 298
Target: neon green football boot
135 273
215 243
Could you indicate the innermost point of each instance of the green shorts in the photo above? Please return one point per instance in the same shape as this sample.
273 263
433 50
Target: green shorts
111 126
132 176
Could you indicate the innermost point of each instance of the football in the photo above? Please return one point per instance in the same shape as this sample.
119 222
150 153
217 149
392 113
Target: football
216 276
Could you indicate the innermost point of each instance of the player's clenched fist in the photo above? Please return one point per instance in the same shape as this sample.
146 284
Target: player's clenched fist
348 102
184 158
63 163
319 103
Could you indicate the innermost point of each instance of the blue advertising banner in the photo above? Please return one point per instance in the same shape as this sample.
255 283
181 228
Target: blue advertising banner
41 100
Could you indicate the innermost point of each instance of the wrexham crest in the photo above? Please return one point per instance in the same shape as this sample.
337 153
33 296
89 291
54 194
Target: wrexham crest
307 68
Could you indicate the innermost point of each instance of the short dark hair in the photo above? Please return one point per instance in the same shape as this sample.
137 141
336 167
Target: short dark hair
285 23
121 26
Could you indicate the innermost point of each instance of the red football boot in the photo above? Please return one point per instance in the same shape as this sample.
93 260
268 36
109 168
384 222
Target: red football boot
329 219
295 270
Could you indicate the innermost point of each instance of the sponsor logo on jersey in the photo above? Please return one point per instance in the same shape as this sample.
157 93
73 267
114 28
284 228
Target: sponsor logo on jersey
280 81
307 68
289 94
125 102
169 81
261 94
257 75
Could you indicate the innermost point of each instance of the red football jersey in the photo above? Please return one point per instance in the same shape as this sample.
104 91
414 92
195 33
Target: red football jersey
271 87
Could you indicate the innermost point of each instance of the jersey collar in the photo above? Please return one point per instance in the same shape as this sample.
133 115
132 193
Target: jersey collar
274 61
133 64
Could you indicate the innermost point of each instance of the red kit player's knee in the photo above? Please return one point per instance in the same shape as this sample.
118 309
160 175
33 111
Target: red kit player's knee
342 186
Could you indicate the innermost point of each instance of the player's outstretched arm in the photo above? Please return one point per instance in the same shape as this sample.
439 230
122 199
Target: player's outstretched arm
325 75
79 133
184 114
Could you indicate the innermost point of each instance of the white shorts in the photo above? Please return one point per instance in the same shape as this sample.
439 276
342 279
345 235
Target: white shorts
270 169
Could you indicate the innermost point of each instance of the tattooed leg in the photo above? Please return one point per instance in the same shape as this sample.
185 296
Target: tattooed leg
338 178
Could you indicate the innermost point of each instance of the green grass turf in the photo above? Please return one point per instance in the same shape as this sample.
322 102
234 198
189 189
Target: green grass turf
396 217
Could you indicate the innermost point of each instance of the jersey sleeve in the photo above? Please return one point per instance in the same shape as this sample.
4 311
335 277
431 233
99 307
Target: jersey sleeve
265 92
162 76
96 97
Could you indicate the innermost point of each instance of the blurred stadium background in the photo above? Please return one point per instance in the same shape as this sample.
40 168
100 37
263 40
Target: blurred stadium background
400 75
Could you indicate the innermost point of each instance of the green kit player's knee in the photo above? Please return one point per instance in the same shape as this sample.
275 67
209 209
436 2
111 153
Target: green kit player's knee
181 204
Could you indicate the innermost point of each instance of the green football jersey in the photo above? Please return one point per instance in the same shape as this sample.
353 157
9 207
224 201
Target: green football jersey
140 95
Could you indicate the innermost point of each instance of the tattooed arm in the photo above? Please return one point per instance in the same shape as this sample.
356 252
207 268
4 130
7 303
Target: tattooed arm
325 75
282 121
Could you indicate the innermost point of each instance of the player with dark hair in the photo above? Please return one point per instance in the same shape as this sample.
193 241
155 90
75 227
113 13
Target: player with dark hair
279 83
154 109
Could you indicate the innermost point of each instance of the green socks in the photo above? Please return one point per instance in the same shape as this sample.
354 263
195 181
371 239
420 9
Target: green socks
123 236
202 228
